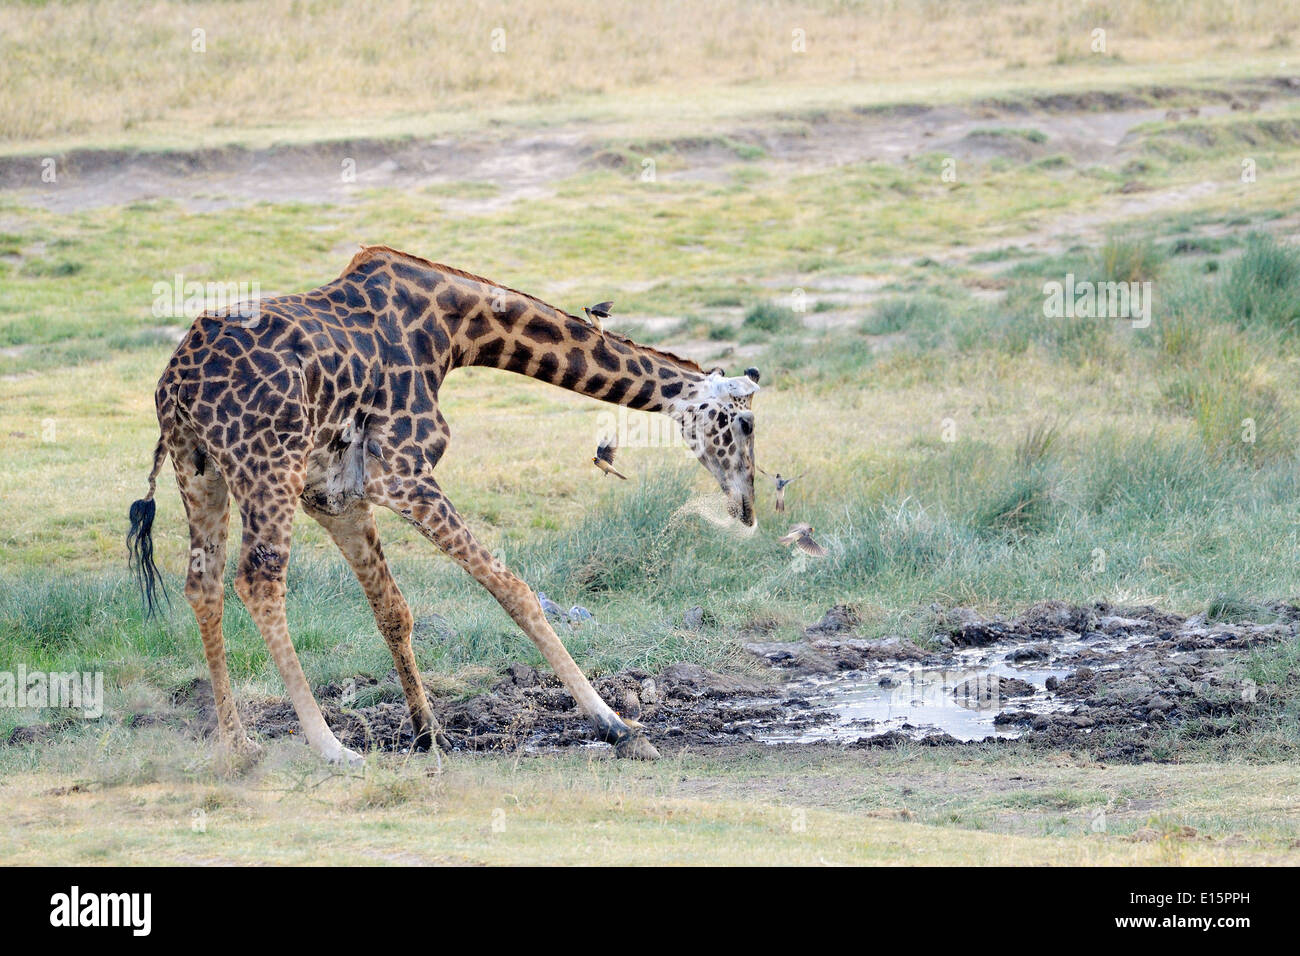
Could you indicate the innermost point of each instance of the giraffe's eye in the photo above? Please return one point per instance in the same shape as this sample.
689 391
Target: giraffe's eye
746 422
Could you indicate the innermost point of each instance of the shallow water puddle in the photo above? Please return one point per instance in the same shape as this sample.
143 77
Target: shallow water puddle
959 694
917 702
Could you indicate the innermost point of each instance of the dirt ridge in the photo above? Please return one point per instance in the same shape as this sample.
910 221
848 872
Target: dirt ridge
1088 124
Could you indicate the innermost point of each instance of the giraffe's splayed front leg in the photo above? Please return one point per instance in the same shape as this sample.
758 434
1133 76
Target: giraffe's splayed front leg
422 503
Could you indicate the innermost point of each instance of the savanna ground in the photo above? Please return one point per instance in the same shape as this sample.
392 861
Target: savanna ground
961 450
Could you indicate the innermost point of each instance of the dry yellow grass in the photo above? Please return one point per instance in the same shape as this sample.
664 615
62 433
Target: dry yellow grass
801 809
114 67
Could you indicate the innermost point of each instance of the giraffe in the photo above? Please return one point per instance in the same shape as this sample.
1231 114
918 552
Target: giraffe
329 399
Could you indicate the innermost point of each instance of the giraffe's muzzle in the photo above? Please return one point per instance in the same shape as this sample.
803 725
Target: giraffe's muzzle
741 507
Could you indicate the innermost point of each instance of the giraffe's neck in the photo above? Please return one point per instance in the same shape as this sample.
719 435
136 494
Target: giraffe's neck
482 325
552 346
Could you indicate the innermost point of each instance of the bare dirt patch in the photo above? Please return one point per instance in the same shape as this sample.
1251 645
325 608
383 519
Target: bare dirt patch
526 709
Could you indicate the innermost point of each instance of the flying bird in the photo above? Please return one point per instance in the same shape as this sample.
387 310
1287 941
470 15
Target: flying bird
801 537
549 607
780 482
598 312
604 459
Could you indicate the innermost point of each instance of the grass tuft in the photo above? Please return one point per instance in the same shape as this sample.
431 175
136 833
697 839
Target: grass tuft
1131 260
772 318
1263 285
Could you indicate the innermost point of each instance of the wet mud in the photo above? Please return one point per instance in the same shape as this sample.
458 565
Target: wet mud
1115 681
526 709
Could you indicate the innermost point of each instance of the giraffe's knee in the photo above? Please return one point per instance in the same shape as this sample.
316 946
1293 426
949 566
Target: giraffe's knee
395 621
256 581
207 603
197 591
516 596
261 564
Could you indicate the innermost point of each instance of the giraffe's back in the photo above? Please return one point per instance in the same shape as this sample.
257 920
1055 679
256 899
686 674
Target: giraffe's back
318 376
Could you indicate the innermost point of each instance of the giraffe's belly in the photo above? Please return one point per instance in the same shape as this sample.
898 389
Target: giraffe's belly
335 478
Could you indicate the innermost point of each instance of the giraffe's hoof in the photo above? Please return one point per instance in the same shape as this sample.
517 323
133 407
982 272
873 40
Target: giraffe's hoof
431 740
614 729
627 736
247 747
635 747
236 756
346 758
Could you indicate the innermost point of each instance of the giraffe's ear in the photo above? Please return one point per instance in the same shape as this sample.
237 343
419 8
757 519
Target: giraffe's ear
752 373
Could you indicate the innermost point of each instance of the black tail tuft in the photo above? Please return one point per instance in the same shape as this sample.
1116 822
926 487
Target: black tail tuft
139 550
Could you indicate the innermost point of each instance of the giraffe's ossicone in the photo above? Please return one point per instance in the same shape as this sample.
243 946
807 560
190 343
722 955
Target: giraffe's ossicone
329 399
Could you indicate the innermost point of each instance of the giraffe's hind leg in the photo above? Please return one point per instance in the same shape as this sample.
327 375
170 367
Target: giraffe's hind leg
355 533
267 512
207 507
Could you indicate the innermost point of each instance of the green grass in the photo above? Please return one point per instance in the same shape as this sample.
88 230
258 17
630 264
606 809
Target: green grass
83 281
1129 260
1221 136
771 317
1004 132
1263 285
998 530
916 315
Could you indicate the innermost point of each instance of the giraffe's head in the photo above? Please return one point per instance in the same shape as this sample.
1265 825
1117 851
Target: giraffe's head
718 425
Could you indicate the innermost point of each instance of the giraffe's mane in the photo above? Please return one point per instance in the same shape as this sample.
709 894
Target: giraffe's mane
368 252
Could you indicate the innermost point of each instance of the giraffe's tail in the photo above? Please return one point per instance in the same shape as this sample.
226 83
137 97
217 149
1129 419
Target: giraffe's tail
139 540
